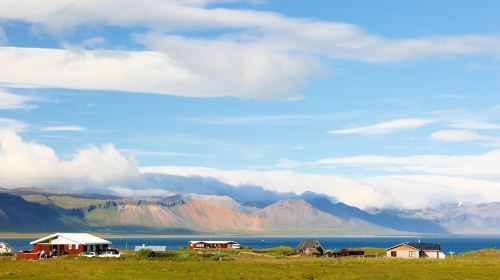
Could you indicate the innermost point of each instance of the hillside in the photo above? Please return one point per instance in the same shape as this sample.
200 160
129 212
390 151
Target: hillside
19 215
465 218
45 211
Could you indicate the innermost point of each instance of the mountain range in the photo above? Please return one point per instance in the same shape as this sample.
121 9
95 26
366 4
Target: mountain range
29 210
204 205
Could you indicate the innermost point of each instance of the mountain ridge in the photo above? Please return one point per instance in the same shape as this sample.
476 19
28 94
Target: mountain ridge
193 213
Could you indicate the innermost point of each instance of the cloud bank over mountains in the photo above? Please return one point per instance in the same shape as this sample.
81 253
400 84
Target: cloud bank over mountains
30 164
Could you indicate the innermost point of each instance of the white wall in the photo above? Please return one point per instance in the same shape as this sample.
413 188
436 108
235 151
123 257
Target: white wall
403 254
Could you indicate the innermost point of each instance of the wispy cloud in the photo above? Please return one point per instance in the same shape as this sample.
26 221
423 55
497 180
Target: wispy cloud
10 101
465 136
385 127
481 165
455 136
12 125
136 152
475 125
260 119
71 128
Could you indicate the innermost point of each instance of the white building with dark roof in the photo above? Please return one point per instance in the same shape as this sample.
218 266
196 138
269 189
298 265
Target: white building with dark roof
415 250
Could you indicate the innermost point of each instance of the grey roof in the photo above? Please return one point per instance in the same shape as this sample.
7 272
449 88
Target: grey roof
309 243
152 248
425 246
419 246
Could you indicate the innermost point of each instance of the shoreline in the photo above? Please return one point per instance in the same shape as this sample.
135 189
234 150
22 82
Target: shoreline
13 235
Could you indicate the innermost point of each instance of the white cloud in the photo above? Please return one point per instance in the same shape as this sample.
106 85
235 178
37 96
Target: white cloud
153 153
10 101
384 127
475 125
12 124
482 165
456 136
258 54
410 192
29 164
192 70
334 39
129 192
70 128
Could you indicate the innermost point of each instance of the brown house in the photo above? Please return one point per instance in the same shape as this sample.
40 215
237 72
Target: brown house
59 244
213 245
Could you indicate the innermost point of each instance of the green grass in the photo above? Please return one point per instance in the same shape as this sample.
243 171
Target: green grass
245 264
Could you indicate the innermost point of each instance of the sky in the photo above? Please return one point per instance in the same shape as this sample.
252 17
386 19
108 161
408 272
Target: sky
378 103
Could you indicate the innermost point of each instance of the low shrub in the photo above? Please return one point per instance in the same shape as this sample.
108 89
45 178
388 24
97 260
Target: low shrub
282 251
145 253
11 254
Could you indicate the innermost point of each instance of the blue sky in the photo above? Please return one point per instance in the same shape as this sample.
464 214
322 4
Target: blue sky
366 91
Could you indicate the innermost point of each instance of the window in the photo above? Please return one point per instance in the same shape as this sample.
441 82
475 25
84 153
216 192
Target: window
394 254
412 254
76 246
70 246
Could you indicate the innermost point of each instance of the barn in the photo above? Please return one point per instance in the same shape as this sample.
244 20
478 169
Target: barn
213 245
410 250
310 247
59 244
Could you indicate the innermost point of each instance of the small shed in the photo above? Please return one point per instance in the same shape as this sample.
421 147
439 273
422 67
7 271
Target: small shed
310 247
152 248
415 250
213 245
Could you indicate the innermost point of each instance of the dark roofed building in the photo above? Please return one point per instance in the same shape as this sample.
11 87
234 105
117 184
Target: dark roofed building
410 250
425 246
310 247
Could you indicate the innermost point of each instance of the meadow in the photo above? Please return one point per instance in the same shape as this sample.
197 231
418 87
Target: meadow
276 263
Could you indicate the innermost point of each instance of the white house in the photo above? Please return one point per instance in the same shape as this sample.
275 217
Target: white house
415 250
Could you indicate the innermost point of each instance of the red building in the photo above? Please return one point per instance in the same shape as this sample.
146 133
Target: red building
60 244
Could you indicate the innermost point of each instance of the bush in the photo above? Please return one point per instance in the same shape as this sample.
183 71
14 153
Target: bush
282 251
11 254
145 253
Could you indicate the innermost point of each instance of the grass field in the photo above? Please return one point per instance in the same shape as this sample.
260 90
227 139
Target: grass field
247 264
